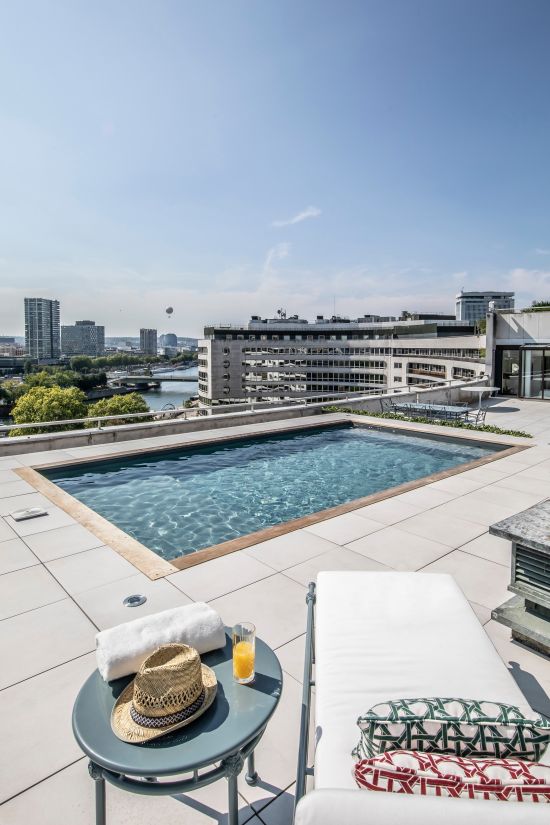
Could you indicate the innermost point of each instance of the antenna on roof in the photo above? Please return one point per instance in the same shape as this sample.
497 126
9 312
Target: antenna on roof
281 313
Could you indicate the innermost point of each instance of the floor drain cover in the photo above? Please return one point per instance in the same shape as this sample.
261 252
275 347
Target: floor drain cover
134 601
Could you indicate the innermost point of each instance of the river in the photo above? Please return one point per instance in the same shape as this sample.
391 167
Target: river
172 392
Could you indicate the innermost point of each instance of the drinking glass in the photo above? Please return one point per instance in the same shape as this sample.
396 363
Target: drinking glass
244 639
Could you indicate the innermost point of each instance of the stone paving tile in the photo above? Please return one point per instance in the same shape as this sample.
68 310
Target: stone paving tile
458 485
27 589
389 511
7 476
524 484
530 669
482 581
276 605
43 638
7 463
15 555
10 503
490 547
55 518
473 509
277 752
281 810
6 533
62 541
68 797
91 568
443 528
290 549
398 549
426 498
339 559
36 721
38 459
291 656
15 488
345 528
217 577
104 604
482 613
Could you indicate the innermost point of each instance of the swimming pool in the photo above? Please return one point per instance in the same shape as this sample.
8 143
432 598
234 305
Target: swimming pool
178 502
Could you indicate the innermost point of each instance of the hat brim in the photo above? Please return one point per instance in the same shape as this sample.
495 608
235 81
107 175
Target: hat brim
125 728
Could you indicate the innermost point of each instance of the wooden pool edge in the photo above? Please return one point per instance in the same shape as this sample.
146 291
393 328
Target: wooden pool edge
154 566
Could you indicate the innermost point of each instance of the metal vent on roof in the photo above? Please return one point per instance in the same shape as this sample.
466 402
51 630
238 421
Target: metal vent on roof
533 569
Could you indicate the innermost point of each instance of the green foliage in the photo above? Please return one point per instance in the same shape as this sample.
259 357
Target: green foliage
538 306
119 405
460 425
481 326
81 363
12 390
48 404
49 378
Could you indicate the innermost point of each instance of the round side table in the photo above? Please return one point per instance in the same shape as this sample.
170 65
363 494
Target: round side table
227 733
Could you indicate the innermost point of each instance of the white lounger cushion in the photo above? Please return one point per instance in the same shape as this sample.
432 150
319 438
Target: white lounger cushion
336 807
385 636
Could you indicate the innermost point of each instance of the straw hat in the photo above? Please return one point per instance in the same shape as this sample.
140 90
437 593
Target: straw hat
171 689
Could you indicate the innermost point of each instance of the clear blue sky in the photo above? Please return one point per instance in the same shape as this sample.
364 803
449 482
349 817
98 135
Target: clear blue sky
155 153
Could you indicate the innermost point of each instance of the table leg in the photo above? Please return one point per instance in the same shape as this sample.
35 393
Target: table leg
232 766
100 806
251 775
233 801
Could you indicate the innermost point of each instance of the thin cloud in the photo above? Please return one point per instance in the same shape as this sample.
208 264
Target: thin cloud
308 212
276 253
541 251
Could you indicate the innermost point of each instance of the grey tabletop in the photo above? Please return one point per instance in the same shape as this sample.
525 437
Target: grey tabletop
531 527
238 714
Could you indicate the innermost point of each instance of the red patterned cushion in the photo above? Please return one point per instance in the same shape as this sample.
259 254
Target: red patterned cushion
432 774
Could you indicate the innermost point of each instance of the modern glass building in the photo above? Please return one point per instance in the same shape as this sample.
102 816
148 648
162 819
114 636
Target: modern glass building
473 306
84 338
42 339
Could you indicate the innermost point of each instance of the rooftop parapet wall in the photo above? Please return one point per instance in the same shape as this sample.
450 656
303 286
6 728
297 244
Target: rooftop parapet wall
114 434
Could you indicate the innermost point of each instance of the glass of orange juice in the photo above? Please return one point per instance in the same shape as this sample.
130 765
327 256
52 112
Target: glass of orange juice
244 638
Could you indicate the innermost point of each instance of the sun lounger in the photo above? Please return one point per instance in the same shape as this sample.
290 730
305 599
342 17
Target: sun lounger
381 636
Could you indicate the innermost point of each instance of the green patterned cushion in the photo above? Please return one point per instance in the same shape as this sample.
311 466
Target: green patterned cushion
465 727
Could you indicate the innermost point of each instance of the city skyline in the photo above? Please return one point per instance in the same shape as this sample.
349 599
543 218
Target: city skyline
231 159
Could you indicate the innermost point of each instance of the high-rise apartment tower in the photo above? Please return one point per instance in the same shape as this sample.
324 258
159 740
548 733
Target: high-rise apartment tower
42 328
148 341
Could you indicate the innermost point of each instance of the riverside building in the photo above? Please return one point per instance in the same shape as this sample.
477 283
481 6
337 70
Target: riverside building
84 338
42 339
279 359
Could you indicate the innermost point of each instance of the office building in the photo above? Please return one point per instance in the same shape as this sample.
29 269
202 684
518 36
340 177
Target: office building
169 339
42 340
278 359
148 341
473 306
84 338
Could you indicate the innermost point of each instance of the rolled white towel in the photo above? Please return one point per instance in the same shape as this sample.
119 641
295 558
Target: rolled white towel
122 649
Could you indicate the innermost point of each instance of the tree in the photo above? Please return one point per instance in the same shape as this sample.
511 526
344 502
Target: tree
119 405
81 363
48 404
50 378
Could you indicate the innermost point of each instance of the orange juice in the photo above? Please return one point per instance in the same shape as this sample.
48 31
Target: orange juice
243 661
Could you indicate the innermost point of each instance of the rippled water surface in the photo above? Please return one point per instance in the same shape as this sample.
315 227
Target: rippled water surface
181 501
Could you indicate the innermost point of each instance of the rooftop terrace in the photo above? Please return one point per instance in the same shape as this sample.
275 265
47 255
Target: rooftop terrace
59 584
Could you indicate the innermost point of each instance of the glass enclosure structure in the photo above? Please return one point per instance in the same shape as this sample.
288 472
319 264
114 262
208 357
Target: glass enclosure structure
524 371
535 372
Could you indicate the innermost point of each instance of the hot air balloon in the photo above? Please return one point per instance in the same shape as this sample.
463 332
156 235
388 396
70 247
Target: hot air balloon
169 310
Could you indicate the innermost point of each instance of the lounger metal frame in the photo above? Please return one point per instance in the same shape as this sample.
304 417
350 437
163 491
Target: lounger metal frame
303 770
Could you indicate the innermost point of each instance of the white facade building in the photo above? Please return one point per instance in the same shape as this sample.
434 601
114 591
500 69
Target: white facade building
275 360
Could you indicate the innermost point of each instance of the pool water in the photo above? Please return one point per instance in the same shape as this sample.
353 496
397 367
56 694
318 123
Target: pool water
180 501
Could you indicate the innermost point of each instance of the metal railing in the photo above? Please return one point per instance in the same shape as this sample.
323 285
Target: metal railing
97 422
